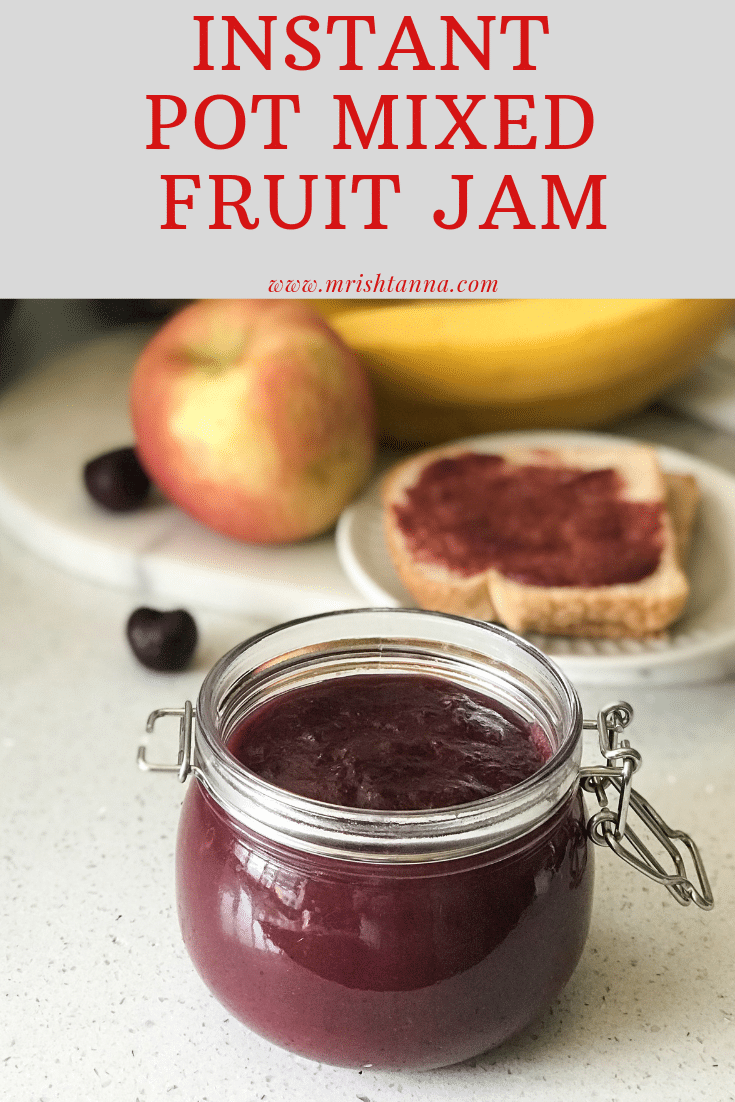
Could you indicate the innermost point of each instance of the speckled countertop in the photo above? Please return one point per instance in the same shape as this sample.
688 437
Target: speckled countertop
99 1000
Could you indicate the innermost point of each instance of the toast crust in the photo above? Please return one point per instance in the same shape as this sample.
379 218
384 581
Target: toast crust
628 610
682 500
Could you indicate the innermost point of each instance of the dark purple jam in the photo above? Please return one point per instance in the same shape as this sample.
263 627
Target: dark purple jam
389 965
395 742
537 524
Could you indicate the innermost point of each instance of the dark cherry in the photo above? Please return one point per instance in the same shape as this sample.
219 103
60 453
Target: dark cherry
162 641
117 481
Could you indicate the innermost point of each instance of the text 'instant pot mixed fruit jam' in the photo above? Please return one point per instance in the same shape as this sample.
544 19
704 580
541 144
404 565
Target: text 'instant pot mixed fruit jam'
384 859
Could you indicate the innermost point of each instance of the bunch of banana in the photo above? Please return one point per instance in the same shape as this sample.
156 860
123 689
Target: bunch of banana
448 369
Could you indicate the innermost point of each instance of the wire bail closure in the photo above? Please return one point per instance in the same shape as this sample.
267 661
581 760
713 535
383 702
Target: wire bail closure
185 760
609 826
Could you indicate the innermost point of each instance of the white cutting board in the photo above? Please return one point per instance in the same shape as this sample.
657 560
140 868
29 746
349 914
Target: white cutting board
74 407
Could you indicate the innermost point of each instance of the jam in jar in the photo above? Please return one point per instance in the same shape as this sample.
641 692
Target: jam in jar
383 859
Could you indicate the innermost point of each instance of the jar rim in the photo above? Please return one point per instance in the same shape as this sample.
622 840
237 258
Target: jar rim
375 835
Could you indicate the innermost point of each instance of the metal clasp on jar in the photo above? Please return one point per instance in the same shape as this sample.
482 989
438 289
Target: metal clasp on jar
610 826
185 759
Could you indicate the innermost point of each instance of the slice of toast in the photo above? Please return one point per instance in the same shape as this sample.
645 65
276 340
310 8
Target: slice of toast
623 610
682 500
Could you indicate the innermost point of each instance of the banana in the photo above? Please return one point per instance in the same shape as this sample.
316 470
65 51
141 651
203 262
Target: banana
442 370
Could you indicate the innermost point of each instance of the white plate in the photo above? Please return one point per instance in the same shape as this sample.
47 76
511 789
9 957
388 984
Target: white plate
700 646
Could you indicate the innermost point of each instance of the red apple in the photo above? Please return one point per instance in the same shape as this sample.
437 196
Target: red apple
254 417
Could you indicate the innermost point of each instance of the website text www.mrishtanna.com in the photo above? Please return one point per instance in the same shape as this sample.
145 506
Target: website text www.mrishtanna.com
383 285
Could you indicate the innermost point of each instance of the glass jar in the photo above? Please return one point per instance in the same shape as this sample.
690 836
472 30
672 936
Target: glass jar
404 939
